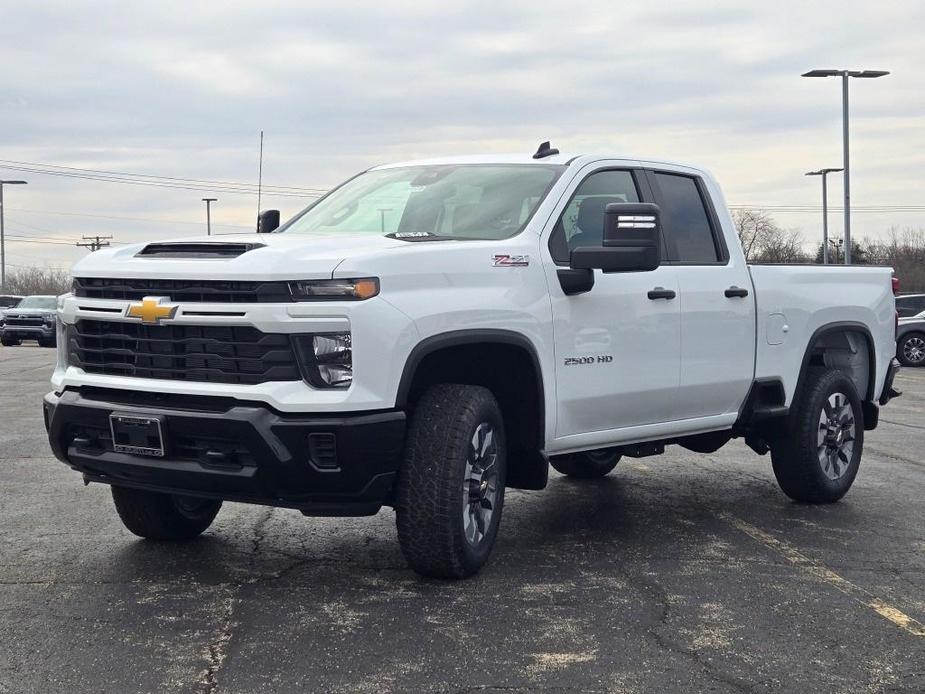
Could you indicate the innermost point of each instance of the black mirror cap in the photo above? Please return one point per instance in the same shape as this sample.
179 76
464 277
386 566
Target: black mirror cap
267 221
631 224
631 240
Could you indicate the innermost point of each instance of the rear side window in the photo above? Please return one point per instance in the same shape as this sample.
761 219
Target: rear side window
685 220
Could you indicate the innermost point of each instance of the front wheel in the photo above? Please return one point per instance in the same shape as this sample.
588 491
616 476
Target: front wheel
911 349
450 489
9 342
587 465
817 460
164 516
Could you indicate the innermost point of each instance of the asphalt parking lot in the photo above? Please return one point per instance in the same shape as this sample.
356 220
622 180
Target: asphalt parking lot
680 573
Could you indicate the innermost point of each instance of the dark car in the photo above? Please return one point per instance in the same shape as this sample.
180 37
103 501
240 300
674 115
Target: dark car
32 319
9 300
910 340
909 305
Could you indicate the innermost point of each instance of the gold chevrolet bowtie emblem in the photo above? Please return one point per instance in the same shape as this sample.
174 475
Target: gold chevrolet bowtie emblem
152 310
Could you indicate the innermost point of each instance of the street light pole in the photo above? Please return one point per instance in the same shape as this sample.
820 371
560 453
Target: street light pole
825 211
2 239
208 202
845 74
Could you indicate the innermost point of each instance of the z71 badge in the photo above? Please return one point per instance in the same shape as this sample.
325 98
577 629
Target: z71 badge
504 260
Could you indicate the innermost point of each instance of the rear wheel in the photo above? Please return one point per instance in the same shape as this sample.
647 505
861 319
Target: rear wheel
911 349
450 489
164 516
587 465
818 459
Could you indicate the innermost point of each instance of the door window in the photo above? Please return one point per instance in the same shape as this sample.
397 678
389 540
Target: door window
685 221
582 221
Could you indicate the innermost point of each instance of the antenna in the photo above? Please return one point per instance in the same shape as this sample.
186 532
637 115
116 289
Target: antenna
545 151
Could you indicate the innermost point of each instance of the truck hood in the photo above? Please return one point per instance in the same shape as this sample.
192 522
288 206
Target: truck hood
27 312
295 256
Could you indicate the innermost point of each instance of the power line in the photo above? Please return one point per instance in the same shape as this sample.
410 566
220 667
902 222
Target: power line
155 180
121 218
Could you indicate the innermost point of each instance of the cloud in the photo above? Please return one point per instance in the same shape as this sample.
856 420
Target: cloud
182 89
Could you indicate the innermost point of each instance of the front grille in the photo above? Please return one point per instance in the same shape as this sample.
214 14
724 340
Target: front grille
17 321
215 354
189 291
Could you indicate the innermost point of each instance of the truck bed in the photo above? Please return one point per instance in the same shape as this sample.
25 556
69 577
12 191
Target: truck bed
794 301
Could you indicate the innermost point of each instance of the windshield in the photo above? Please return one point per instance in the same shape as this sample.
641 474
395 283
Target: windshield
415 203
46 302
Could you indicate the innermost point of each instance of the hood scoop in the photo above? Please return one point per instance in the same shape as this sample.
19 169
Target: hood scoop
200 250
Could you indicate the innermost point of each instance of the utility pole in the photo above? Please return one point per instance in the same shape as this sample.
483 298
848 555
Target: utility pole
94 243
2 240
837 246
825 212
208 202
382 212
845 74
259 179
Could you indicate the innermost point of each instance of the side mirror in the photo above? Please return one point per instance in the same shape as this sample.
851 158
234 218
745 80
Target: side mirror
631 240
267 221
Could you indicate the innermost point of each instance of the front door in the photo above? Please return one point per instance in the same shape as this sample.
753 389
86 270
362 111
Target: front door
618 345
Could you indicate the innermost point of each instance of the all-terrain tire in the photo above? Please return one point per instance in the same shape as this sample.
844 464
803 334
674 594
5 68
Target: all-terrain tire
452 476
802 460
164 516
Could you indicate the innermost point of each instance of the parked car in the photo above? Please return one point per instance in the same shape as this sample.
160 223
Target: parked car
9 300
909 305
32 319
910 340
430 333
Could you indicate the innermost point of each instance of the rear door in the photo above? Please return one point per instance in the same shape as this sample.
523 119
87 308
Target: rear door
617 349
715 299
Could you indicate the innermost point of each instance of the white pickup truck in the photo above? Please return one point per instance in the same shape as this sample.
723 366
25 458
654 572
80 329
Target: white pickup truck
429 333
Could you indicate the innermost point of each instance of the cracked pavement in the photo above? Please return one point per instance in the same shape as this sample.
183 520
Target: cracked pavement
643 581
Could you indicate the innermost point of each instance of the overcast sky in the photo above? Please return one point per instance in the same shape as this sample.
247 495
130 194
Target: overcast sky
182 89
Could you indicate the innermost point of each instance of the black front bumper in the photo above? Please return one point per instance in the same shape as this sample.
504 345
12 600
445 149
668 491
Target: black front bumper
28 332
226 449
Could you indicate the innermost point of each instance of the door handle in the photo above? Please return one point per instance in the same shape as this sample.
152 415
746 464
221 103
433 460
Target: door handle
661 293
736 292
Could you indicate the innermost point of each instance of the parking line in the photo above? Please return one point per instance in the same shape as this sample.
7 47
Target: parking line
794 556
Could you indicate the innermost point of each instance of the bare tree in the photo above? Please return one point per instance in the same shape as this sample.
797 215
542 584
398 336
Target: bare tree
755 228
35 280
904 251
784 247
763 241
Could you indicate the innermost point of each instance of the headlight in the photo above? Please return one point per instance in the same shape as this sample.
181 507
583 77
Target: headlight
335 290
327 359
49 319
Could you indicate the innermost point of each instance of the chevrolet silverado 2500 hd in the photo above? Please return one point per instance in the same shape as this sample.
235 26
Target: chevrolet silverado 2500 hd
33 318
430 333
